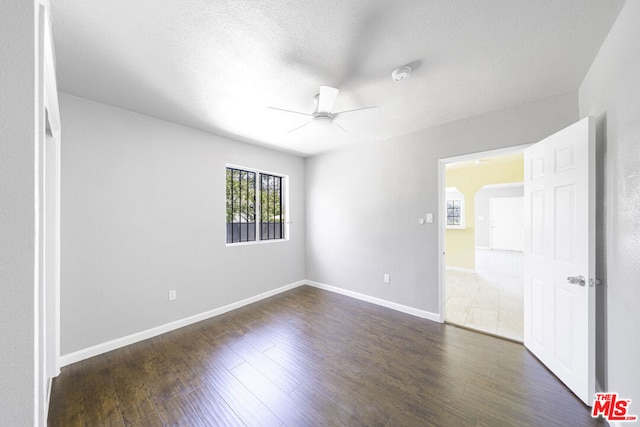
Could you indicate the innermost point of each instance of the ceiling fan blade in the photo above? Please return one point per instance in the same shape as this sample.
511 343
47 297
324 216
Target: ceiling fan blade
337 124
299 127
326 98
289 111
360 116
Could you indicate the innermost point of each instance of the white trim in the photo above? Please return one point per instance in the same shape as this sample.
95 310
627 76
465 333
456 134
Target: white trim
96 350
461 269
484 154
49 74
86 353
255 242
503 185
252 169
378 301
442 221
456 227
58 204
48 396
285 206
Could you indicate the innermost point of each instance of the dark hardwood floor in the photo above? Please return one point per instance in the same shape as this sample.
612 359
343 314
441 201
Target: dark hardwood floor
309 357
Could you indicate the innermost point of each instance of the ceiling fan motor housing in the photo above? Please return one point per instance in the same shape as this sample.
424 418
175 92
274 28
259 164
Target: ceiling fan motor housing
323 118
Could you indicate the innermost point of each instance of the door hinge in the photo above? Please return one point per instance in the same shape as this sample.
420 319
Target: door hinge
594 282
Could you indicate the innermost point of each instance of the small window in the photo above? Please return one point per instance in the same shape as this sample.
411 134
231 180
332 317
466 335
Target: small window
251 196
454 208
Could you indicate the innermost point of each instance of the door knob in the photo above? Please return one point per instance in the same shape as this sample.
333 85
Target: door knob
577 280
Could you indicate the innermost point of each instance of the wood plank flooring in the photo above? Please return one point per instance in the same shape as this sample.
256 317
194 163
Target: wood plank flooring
309 357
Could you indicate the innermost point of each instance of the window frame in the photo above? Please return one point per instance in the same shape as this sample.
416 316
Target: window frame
285 211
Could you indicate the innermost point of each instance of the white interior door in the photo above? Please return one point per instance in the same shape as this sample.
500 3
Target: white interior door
507 223
559 242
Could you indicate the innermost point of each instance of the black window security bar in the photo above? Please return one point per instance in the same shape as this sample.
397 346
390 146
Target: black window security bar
250 194
271 209
241 205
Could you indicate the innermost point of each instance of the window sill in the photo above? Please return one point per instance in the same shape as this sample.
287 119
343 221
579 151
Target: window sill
456 227
255 242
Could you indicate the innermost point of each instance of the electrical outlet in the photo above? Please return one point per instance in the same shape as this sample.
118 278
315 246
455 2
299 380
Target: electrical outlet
172 295
387 278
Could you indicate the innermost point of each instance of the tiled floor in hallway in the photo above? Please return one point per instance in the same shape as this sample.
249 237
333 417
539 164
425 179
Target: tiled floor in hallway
489 299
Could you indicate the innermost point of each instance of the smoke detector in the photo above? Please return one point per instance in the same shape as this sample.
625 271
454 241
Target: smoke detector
401 73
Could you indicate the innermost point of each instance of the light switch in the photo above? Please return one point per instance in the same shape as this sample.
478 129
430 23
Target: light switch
429 217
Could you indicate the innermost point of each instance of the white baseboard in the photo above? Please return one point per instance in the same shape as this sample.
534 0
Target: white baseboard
86 353
96 350
378 301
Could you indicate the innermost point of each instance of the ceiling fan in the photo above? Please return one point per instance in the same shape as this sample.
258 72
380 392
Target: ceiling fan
324 115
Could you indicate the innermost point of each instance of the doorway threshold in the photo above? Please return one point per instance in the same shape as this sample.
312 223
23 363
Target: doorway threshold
480 331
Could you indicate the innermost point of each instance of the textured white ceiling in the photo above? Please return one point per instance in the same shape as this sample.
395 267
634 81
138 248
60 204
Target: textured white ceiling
217 64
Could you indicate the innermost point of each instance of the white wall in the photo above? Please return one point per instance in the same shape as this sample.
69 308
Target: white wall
483 211
17 213
363 203
143 212
611 93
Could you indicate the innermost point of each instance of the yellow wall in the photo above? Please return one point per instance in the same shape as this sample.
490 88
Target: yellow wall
468 178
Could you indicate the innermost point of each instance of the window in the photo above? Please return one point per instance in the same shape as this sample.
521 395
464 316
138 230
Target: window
271 213
251 196
241 205
454 208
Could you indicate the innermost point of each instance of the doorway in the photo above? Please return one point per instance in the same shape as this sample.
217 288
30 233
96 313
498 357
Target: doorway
483 271
560 240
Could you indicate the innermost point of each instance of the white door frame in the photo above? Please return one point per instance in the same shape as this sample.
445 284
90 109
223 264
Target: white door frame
441 208
48 167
